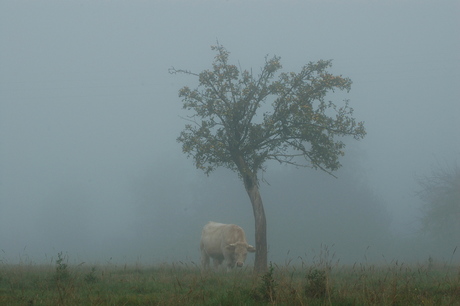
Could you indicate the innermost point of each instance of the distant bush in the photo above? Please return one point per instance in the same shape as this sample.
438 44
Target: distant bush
62 273
316 286
266 290
91 277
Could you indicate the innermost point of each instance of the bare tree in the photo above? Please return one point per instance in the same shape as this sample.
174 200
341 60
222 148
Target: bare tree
440 193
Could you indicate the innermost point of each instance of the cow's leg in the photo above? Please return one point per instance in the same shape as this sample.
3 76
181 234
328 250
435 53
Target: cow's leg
229 261
204 259
230 266
217 262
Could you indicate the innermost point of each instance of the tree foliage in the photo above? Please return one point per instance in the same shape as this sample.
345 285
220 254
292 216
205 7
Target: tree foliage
440 193
299 128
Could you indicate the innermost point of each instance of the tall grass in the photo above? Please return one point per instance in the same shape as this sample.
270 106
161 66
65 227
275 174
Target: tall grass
323 283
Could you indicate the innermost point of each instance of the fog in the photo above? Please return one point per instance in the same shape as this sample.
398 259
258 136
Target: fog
89 116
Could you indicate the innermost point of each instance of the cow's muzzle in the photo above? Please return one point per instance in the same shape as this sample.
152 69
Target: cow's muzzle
239 264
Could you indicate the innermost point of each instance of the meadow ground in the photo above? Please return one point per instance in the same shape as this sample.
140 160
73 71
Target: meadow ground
185 284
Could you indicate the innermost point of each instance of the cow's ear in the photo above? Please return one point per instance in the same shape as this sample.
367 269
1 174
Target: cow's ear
251 248
231 246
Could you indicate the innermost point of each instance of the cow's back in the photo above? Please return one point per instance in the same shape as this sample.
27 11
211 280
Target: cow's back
217 235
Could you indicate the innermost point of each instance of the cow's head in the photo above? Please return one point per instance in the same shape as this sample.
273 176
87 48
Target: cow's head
239 251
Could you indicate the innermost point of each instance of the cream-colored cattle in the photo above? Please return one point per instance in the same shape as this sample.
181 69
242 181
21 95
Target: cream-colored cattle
224 242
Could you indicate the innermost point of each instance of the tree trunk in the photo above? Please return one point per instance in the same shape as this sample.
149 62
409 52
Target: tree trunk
251 184
252 188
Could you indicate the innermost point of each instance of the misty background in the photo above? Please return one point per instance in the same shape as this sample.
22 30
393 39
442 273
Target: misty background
89 116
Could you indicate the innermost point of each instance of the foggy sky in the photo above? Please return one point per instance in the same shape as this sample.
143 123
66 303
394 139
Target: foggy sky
89 117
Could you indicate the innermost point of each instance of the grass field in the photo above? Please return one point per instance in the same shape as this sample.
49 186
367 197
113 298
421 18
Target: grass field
185 284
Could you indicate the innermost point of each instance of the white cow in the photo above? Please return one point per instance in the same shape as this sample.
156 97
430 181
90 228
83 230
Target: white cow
224 241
